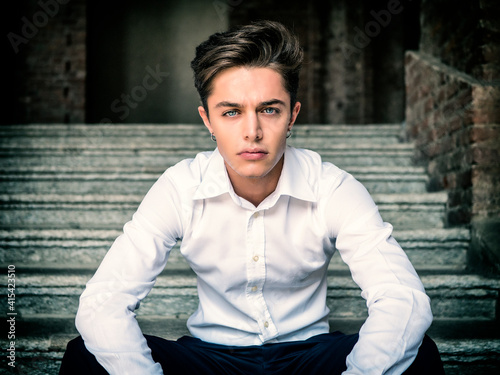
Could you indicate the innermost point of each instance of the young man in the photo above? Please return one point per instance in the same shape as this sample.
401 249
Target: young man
257 220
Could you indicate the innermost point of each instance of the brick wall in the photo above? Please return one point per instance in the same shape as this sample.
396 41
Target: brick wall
48 40
455 124
463 34
453 114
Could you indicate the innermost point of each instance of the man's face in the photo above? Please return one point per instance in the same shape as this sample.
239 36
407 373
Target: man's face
250 115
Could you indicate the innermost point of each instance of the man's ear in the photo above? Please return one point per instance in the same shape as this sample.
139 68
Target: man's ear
204 117
295 113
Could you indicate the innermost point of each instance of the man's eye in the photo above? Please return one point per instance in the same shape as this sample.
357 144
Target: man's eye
230 113
270 111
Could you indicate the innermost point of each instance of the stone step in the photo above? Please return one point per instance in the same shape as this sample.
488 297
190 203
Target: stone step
79 249
144 147
387 131
412 211
74 146
453 296
470 357
161 158
166 136
43 171
39 349
171 328
121 180
403 211
73 143
160 146
136 136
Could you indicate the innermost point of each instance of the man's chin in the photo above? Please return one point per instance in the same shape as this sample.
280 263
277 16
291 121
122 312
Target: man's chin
252 174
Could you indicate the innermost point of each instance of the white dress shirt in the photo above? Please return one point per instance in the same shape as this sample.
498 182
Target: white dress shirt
261 271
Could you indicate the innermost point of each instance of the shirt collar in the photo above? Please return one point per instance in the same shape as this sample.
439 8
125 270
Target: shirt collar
215 180
292 181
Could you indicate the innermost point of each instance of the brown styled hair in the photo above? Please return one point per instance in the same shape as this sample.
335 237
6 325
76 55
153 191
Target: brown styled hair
263 44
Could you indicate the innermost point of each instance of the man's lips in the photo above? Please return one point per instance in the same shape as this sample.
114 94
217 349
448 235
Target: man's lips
253 154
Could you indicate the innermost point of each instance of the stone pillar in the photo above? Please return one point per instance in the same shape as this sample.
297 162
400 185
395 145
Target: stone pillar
365 47
348 83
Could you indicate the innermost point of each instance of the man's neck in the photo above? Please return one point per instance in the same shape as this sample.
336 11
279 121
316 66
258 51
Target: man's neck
255 190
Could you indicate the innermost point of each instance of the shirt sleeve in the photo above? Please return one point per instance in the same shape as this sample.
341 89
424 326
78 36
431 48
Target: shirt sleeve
399 311
106 318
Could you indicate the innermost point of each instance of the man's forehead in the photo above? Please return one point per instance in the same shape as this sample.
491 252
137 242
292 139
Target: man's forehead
239 85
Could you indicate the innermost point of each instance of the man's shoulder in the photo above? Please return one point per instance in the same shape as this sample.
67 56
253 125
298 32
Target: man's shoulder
308 167
194 164
312 163
190 171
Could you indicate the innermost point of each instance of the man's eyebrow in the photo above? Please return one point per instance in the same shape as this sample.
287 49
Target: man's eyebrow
228 104
262 104
272 102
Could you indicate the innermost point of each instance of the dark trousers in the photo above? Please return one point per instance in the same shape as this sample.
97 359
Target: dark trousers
322 354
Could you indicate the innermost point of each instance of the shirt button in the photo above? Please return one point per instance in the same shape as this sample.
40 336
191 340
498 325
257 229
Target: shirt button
266 324
254 289
256 258
256 215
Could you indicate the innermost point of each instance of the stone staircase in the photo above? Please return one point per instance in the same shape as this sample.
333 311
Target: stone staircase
67 190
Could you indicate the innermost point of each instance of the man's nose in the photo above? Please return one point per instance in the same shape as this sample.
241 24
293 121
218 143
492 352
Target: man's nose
252 129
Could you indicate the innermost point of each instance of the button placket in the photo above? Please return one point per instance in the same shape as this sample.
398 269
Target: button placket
256 273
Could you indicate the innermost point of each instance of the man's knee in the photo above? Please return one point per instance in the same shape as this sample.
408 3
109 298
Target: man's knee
71 355
428 360
78 360
74 349
430 349
76 344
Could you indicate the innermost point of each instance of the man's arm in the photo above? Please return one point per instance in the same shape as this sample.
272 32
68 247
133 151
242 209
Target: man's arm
106 318
399 311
